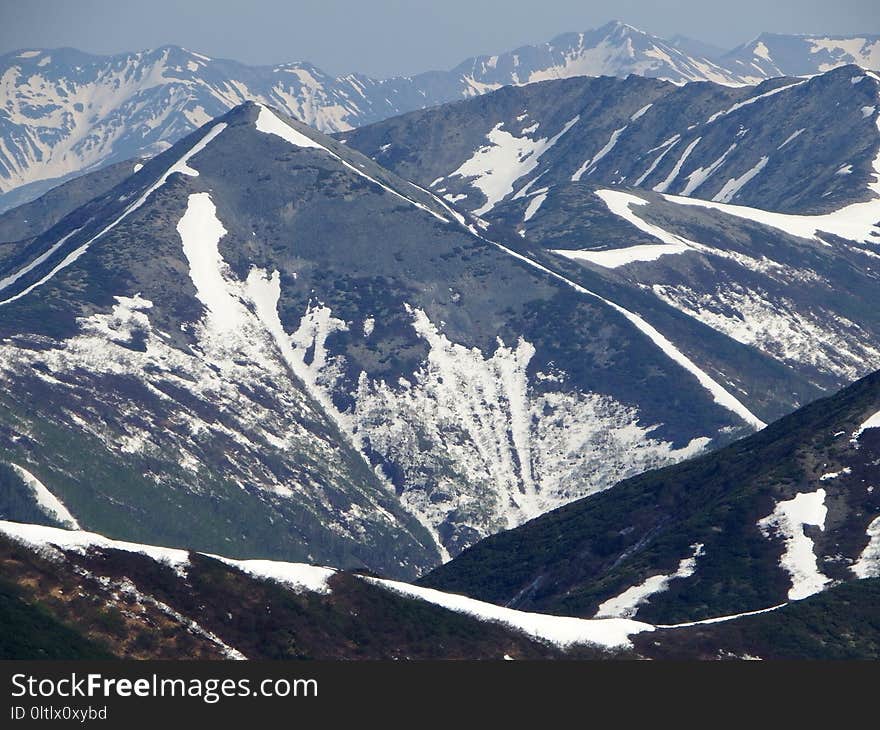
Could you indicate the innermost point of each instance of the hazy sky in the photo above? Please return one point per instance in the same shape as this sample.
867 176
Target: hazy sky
388 37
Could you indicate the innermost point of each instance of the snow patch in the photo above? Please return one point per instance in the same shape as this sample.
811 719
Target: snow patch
735 184
495 167
627 604
788 519
868 564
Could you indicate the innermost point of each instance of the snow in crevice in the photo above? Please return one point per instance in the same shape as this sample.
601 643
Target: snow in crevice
662 187
653 166
626 604
180 166
735 184
793 136
474 434
494 168
700 175
799 560
590 164
48 503
534 205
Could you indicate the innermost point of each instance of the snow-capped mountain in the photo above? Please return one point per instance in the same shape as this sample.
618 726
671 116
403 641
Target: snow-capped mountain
686 193
264 343
770 520
63 112
772 54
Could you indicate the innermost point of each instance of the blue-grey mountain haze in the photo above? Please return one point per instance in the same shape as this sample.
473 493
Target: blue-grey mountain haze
390 37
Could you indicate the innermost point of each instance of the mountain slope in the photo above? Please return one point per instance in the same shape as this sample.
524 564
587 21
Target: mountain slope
30 219
78 595
772 518
585 168
740 145
324 362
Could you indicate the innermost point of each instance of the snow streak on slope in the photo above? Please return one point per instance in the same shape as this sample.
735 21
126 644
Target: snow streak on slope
50 505
12 278
180 166
752 100
787 521
269 123
868 564
750 315
497 166
626 605
859 222
562 631
588 165
735 184
662 187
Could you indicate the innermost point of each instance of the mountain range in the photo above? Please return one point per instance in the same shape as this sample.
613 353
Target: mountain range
63 112
224 327
498 346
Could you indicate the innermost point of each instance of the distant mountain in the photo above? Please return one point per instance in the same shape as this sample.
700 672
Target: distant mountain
65 112
773 518
771 54
694 47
